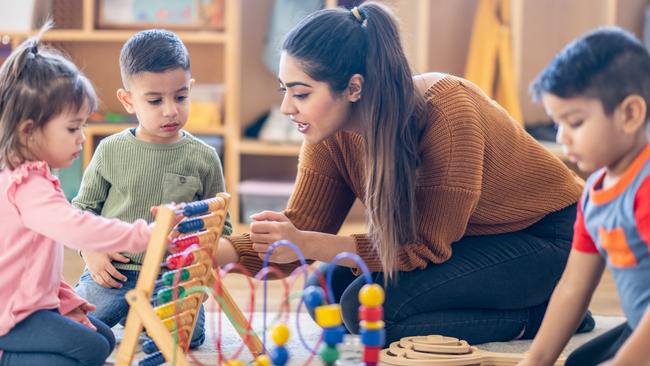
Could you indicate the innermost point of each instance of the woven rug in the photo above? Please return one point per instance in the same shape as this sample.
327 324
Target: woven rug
207 353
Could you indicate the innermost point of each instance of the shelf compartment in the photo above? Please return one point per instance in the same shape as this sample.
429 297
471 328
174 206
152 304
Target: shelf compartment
256 147
70 35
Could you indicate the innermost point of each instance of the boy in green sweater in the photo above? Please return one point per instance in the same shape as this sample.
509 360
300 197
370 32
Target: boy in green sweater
139 168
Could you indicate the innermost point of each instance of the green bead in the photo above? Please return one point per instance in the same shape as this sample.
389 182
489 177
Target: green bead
169 277
328 354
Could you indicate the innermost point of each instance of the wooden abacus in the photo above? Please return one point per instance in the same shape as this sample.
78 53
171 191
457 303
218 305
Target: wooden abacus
192 264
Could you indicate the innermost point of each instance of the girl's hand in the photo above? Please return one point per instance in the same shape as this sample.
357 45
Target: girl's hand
80 314
102 271
270 227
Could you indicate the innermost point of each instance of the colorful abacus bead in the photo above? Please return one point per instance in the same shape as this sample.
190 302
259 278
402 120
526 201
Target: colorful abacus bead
191 225
184 274
201 207
149 346
170 308
191 255
180 244
166 295
153 359
198 223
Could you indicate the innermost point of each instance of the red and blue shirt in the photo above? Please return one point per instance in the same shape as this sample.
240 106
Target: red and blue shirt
615 222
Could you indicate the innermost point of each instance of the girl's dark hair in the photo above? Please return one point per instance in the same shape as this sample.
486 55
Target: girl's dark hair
607 64
37 83
334 44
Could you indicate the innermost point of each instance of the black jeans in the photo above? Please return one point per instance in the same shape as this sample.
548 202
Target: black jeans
493 288
601 348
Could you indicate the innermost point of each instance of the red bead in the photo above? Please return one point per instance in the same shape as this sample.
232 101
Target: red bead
181 244
371 354
371 314
180 260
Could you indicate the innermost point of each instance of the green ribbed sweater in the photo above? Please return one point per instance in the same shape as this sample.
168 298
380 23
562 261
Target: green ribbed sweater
480 173
126 177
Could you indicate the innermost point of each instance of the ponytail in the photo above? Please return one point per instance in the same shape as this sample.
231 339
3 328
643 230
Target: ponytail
389 105
37 83
335 44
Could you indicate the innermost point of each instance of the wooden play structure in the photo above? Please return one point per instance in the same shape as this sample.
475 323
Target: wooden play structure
171 323
436 350
489 60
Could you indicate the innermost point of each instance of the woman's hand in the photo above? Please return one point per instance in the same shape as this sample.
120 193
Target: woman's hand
270 227
80 314
102 271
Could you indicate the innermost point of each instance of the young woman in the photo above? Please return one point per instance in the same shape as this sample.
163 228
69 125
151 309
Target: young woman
470 219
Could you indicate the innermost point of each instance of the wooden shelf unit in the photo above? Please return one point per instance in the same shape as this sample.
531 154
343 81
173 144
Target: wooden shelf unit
233 56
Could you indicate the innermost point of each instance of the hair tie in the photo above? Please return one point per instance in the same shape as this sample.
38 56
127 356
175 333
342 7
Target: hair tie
357 14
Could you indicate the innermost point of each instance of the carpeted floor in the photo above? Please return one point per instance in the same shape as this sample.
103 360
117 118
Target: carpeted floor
207 353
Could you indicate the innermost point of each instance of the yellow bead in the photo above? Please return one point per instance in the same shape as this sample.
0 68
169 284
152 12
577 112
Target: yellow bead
371 295
371 325
280 334
328 315
262 360
234 363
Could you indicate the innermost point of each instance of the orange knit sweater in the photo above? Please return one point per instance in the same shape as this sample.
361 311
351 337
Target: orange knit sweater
480 173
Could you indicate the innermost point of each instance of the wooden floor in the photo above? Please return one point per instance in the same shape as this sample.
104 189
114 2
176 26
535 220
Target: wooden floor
604 302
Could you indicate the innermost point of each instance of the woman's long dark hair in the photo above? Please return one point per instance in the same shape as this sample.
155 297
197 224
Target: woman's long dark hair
333 45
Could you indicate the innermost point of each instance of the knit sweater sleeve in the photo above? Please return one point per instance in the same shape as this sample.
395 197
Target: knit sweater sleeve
320 202
449 186
94 187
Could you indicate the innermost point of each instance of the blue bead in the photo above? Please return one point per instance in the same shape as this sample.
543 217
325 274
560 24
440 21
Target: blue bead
279 356
333 335
152 360
149 347
195 208
313 296
190 225
373 337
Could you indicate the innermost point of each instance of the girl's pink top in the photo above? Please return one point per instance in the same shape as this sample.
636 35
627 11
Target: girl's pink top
36 221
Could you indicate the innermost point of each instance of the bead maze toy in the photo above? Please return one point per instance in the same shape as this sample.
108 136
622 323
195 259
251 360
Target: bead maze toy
329 317
171 323
436 350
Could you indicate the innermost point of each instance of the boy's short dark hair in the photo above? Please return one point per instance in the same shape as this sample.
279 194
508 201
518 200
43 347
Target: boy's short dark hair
607 64
153 50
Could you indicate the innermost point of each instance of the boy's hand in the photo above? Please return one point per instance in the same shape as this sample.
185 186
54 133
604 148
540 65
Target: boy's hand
102 270
80 314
